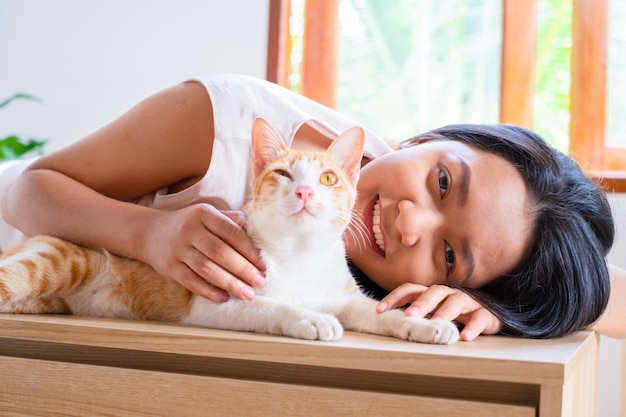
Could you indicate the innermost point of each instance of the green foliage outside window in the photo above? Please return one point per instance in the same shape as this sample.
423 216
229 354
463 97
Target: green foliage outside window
407 66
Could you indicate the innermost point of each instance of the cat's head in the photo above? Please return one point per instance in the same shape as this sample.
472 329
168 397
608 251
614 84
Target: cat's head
303 191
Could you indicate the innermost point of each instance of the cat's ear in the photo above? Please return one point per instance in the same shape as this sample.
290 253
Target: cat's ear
347 149
267 144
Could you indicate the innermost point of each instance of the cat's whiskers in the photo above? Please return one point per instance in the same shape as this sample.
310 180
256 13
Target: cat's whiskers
358 230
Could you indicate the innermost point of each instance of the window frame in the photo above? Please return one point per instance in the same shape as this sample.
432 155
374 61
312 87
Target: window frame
588 91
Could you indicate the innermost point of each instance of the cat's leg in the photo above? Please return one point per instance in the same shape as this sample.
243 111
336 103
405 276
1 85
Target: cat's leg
360 314
265 315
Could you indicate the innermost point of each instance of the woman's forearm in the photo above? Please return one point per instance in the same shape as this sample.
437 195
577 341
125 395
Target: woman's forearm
613 321
43 201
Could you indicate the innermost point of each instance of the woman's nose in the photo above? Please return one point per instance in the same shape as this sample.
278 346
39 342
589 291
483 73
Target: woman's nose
415 222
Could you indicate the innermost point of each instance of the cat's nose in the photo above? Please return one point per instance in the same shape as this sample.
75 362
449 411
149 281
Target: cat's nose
304 193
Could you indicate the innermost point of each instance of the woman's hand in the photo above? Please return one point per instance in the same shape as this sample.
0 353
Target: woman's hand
442 303
206 251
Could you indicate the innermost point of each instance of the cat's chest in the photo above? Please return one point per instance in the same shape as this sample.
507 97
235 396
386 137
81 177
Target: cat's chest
306 281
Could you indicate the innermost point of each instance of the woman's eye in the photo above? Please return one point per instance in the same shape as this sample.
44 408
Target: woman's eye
328 178
282 173
450 258
443 180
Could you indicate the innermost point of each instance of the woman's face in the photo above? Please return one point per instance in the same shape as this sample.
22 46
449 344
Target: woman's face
441 212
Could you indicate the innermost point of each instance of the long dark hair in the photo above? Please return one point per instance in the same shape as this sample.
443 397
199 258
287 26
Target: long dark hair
563 284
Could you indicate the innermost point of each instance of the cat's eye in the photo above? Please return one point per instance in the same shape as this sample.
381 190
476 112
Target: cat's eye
328 178
450 258
443 181
283 173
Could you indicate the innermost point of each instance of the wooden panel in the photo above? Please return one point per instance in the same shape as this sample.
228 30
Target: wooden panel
580 392
623 399
36 387
588 95
519 42
157 365
321 51
577 396
278 43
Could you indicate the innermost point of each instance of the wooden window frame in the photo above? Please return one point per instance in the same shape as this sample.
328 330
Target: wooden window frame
588 91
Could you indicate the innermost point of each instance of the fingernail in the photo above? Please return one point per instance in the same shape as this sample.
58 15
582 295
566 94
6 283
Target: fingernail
382 307
223 298
247 293
259 281
412 311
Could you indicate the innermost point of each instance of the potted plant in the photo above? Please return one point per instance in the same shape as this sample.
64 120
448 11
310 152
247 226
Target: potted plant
15 146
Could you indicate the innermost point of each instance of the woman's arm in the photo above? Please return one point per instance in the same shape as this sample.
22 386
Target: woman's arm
451 304
79 194
613 321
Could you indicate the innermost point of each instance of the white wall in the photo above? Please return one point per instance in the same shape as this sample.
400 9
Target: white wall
611 366
92 60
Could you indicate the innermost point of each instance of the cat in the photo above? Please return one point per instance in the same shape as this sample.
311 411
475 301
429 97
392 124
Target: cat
302 203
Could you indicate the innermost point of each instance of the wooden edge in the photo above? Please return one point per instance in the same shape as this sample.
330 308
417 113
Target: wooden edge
588 85
277 66
610 181
320 58
496 358
518 59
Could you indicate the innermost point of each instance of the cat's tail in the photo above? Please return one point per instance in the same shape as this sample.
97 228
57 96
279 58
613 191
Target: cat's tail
36 275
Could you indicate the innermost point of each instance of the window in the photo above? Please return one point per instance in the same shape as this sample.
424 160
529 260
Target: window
412 65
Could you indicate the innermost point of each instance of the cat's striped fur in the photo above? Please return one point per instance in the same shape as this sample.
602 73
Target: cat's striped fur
301 205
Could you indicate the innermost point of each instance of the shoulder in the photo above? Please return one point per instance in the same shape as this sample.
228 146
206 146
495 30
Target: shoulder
239 99
612 322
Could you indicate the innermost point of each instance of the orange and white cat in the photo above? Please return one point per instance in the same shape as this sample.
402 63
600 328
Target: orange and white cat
302 203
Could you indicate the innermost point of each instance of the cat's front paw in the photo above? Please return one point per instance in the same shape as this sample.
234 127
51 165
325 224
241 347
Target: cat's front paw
430 331
318 327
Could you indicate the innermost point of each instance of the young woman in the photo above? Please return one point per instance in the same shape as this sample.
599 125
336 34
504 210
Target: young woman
482 224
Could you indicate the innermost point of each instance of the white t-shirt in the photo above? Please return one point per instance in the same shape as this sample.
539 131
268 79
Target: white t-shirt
237 100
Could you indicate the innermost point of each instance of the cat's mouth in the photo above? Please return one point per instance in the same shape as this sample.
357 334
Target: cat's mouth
377 227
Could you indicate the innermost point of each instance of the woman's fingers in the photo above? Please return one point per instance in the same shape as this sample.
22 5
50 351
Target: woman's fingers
482 321
208 252
242 241
217 275
197 285
443 303
229 227
224 254
429 301
401 296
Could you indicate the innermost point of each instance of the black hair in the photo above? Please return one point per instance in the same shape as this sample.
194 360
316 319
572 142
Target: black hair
563 285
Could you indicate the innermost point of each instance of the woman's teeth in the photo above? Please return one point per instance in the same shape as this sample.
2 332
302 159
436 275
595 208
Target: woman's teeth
378 233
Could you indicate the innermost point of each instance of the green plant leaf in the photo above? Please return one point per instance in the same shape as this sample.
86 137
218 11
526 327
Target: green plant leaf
19 96
13 147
